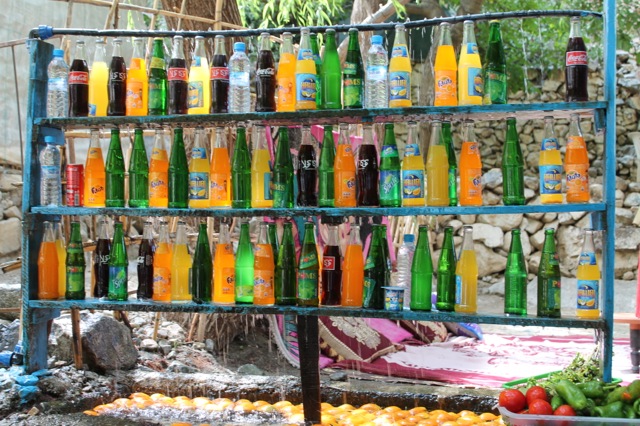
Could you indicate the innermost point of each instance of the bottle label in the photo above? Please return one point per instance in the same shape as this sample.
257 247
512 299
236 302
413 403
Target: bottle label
307 284
95 153
306 87
329 263
587 258
244 291
305 54
347 187
412 184
239 78
377 73
135 64
389 151
161 283
445 87
198 186
158 185
399 86
472 48
268 186
93 108
577 178
588 295
56 84
265 72
75 278
549 144
177 74
134 95
117 77
550 179
412 150
310 164
195 99
576 58
308 260
458 290
156 95
576 142
552 286
228 281
146 260
352 85
389 182
219 73
285 90
118 279
78 77
198 153
474 187
496 86
399 51
50 172
157 63
103 259
474 82
219 184
263 284
96 189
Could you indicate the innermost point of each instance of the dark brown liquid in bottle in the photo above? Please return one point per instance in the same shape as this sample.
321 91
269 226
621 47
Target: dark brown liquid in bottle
331 276
145 270
178 87
367 176
266 82
307 176
101 267
576 74
117 87
219 84
79 89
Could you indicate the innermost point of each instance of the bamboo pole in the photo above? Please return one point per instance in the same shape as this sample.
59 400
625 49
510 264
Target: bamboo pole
113 5
218 15
156 325
152 26
183 7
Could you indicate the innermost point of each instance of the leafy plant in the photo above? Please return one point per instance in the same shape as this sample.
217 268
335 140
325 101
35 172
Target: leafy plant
282 13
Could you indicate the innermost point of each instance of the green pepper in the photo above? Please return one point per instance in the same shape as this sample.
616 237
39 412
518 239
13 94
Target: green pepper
634 389
629 412
615 395
572 394
592 389
556 401
614 410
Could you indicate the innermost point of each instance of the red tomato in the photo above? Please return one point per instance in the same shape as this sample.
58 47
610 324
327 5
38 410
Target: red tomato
564 410
536 392
513 400
540 406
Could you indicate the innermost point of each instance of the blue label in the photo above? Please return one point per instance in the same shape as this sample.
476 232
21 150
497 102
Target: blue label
587 258
412 150
389 180
474 82
588 295
550 179
198 186
304 54
399 86
458 289
389 151
377 73
306 87
198 153
472 48
92 110
549 144
268 186
412 184
239 78
399 51
195 97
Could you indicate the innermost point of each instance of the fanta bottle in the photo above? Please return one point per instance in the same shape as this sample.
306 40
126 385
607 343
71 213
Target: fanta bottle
162 266
576 164
550 166
445 69
94 173
137 81
260 170
220 174
470 85
437 168
353 271
263 269
344 175
306 78
48 265
412 170
470 168
199 171
224 269
98 82
286 76
159 172
180 265
62 259
400 71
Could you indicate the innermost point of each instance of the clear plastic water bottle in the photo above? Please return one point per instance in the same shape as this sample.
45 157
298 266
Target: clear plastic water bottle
376 80
50 185
405 258
58 86
239 80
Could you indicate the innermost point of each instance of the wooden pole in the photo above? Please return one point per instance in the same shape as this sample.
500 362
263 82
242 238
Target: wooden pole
183 7
113 5
77 339
192 328
156 325
218 15
152 26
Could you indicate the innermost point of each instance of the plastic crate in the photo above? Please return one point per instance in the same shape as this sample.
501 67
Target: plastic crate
513 419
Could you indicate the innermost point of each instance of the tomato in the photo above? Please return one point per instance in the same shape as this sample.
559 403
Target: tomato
540 406
512 399
564 410
536 392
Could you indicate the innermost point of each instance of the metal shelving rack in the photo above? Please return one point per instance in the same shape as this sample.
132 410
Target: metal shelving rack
36 313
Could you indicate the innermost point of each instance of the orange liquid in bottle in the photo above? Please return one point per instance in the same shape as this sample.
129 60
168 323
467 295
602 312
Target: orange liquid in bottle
48 271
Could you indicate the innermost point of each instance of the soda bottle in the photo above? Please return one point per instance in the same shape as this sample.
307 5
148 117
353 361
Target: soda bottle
219 77
57 86
325 169
118 266
98 82
404 259
199 171
180 265
512 167
353 271
307 171
313 41
286 269
390 184
283 172
400 71
178 77
344 175
94 173
75 265
353 74
50 167
470 168
376 81
515 278
239 80
438 169
48 265
79 84
117 82
331 74
470 84
162 260
145 263
220 173
588 275
199 86
467 275
382 229
178 172
549 278
260 170
331 277
244 266
265 76
101 256
137 81
453 168
241 173
375 273
159 172
224 269
157 80
576 164
114 172
495 68
550 166
273 239
306 78
446 287
202 269
421 273
413 169
62 259
445 70
138 172
286 76
263 269
367 171
576 70
308 269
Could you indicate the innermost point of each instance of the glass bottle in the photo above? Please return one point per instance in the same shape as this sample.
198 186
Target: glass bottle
453 167
137 81
199 171
283 172
145 263
331 277
446 275
353 271
224 269
588 276
162 261
241 172
178 77
265 76
244 267
437 168
445 70
331 73
99 82
114 172
495 68
467 275
118 266
550 166
308 269
202 269
158 83
390 184
178 172
62 260
138 172
549 278
515 278
307 92
512 167
101 256
325 169
313 41
159 172
260 169
273 240
413 169
286 269
220 173
180 265
576 164
263 269
307 171
576 70
94 173
353 74
219 77
117 82
75 265
286 75
470 85
470 168
199 86
400 71
344 175
79 83
367 171
375 273
48 265
421 273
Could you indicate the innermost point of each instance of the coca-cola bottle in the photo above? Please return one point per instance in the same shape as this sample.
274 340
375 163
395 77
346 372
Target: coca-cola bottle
117 82
265 77
575 71
178 79
219 77
79 84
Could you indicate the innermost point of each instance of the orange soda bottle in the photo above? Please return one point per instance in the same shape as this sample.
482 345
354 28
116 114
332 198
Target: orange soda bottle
159 172
353 271
263 269
470 168
344 176
61 248
220 173
576 164
286 76
94 174
48 265
162 266
137 81
224 269
445 69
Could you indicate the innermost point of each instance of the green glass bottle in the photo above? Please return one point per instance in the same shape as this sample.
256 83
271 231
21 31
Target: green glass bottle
515 278
273 239
316 58
283 172
549 278
453 163
325 169
382 230
353 74
202 268
375 272
446 286
158 80
75 265
512 168
390 184
331 73
285 273
495 68
118 266
241 172
308 269
114 172
244 267
421 273
178 172
138 172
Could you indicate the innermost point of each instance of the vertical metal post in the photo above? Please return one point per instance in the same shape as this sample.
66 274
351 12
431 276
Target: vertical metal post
309 352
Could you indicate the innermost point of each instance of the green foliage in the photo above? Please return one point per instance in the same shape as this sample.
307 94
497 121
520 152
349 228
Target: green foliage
283 13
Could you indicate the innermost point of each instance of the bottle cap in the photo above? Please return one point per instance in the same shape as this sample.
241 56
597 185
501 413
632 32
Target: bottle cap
58 53
409 238
239 47
50 139
376 39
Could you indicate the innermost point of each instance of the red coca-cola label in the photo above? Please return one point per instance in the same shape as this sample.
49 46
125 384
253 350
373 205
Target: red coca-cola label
78 77
576 58
219 73
329 263
177 74
75 182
